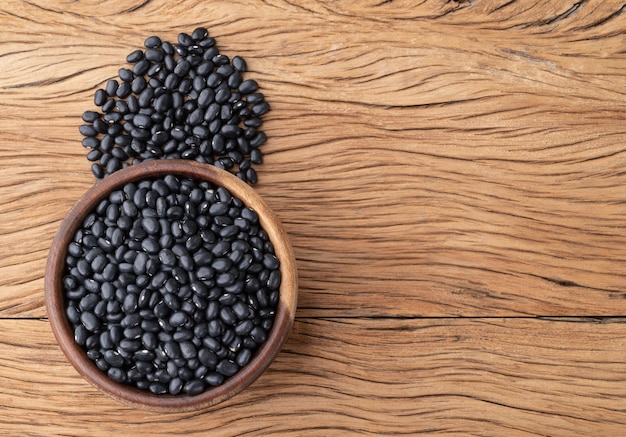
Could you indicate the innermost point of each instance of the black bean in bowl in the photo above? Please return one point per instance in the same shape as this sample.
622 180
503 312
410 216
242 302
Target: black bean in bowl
171 285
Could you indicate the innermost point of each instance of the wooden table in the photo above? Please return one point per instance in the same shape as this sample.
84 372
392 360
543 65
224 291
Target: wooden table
452 177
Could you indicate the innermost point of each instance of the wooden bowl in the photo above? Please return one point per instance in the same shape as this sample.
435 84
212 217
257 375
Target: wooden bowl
55 299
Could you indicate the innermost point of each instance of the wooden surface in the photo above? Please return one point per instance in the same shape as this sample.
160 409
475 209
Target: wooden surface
452 177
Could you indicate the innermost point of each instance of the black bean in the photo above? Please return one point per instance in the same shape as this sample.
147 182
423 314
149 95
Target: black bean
178 319
172 349
111 87
188 350
167 257
126 75
99 263
227 367
87 130
182 67
258 334
116 374
172 301
230 131
199 34
241 310
154 55
150 245
194 387
228 316
135 56
243 357
244 327
100 97
141 67
158 388
150 225
260 108
134 332
113 358
221 264
229 231
90 116
130 345
175 386
183 334
80 334
193 242
222 95
130 303
152 42
270 261
145 98
239 64
163 102
122 92
130 320
89 321
180 275
143 355
258 139
248 86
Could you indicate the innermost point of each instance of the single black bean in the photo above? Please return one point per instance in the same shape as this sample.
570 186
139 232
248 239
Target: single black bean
172 349
80 334
199 34
100 97
239 64
113 358
258 334
130 345
222 95
167 257
116 374
175 386
141 67
260 108
228 316
178 319
248 86
130 303
158 388
87 130
134 57
90 321
153 42
133 333
194 387
182 67
188 350
150 245
183 334
227 367
154 55
244 327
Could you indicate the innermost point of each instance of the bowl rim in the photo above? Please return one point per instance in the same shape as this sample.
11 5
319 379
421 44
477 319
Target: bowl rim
55 300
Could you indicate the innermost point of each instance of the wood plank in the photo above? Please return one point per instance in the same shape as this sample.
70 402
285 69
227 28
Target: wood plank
444 159
370 376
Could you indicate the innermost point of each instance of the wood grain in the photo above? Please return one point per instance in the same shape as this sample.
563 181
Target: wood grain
446 170
473 172
342 376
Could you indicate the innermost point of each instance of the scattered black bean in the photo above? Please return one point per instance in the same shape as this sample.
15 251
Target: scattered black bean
171 285
177 100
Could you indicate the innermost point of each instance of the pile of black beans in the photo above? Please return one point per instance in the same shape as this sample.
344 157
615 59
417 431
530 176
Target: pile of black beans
171 285
183 100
